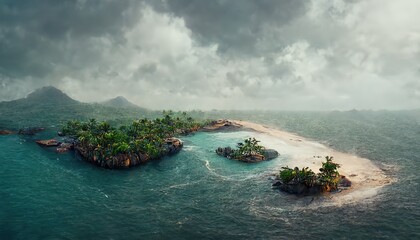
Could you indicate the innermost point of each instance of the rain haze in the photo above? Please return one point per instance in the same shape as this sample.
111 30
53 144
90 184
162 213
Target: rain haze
185 54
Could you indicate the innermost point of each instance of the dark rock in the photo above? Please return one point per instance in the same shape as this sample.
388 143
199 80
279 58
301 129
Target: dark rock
69 140
224 152
64 147
134 160
276 184
111 162
252 159
61 134
173 145
299 188
30 130
143 158
67 145
344 182
270 154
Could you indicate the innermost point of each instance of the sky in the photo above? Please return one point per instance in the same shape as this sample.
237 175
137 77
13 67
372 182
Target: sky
218 54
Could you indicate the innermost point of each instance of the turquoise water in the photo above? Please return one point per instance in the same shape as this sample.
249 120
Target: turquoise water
198 195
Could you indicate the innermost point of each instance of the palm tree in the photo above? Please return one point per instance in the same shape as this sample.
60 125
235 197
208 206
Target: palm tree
104 127
328 174
329 168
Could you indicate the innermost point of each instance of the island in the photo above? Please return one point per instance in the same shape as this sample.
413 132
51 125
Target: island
248 151
305 181
127 145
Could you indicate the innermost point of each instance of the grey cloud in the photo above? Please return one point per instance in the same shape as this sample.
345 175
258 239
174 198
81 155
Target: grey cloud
37 35
235 25
148 68
208 54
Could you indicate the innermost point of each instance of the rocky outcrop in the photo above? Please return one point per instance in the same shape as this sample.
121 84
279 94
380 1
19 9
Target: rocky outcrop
221 125
270 154
64 147
30 130
172 146
6 132
224 152
299 188
344 182
228 152
251 158
48 143
143 157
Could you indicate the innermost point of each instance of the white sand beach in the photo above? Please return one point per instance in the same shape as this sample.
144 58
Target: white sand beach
367 178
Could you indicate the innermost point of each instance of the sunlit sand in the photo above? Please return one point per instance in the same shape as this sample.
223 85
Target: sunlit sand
367 178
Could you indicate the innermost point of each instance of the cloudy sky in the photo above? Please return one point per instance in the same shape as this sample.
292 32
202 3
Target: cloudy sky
219 54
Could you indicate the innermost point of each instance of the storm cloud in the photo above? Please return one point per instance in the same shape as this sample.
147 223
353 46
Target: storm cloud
223 54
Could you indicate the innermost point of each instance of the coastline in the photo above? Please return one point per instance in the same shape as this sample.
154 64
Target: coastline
367 178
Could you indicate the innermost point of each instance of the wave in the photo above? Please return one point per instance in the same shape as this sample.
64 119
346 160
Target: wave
233 177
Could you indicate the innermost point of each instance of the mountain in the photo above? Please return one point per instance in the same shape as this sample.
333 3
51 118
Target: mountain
49 106
49 95
120 102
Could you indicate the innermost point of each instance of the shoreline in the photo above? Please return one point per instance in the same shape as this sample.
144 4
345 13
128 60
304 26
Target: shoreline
367 178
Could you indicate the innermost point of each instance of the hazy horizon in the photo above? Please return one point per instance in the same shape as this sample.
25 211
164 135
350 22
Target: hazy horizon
227 55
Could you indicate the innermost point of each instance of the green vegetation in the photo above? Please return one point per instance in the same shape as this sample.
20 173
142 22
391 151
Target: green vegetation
305 176
100 142
248 148
327 178
329 175
248 151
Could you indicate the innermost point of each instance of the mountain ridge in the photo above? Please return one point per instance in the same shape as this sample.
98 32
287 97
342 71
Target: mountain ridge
119 101
49 105
49 94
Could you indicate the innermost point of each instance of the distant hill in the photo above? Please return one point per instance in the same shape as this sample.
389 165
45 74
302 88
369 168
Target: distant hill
120 102
49 95
49 106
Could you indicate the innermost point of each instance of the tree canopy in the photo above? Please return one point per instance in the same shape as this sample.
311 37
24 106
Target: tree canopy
101 141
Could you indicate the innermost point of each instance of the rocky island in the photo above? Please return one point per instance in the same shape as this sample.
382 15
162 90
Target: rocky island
304 181
125 146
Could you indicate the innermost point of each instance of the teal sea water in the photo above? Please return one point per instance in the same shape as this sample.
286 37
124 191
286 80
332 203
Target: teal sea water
198 195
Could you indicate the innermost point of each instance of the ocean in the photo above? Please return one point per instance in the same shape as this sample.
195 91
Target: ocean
199 195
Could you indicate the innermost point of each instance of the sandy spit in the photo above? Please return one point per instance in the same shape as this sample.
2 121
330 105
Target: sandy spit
367 177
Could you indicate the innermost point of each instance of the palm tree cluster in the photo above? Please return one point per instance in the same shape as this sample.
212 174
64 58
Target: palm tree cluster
295 175
327 178
100 143
248 148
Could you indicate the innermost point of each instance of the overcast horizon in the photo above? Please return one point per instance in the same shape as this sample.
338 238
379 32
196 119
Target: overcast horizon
185 54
